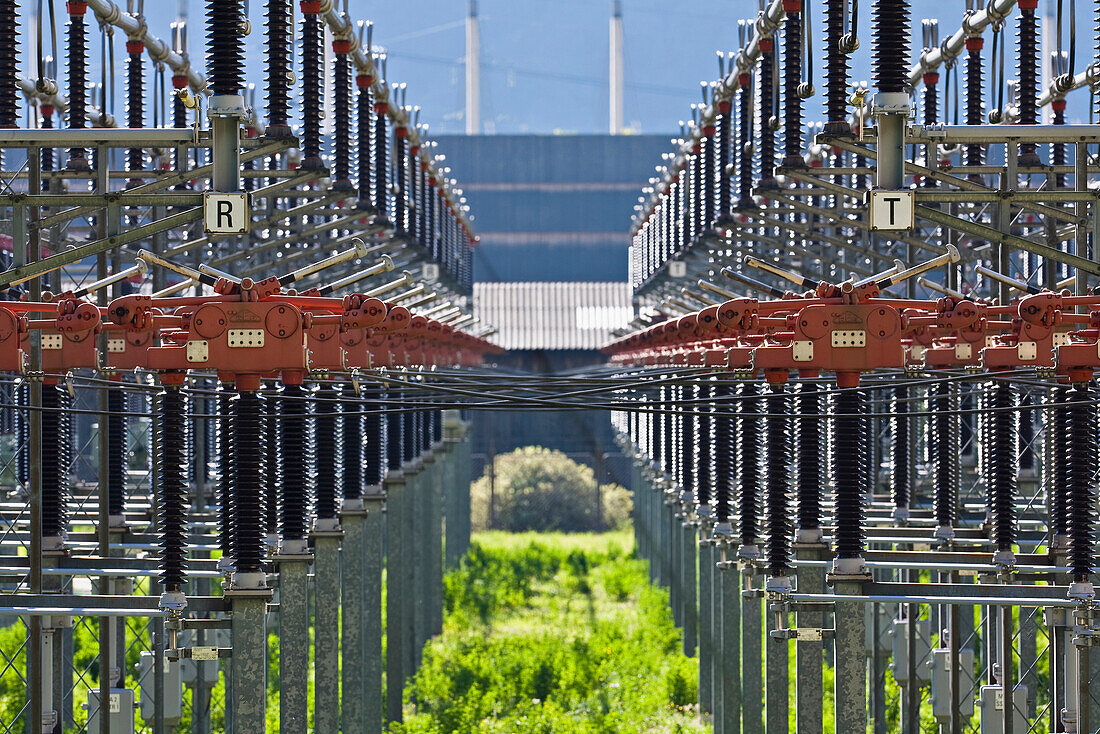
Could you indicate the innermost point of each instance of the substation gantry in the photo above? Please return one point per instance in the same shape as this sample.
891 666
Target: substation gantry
860 387
206 444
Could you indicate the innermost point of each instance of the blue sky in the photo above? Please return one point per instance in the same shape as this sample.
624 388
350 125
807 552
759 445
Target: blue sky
545 61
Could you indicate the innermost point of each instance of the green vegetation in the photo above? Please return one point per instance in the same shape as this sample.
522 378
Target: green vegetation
553 633
538 489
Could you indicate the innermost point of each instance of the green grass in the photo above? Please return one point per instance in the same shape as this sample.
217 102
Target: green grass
553 633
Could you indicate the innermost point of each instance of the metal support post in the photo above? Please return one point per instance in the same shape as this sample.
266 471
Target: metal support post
396 560
849 668
454 435
326 635
674 563
441 467
728 715
422 555
776 657
226 113
688 579
752 636
892 109
414 571
465 477
293 642
249 682
373 529
706 625
809 685
352 652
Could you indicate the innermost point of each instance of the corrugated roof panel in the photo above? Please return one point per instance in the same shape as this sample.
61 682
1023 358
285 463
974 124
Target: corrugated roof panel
553 316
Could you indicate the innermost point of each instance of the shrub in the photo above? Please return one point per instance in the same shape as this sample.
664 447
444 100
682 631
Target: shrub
543 490
611 664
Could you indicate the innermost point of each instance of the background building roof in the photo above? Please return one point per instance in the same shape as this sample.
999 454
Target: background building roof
553 207
553 316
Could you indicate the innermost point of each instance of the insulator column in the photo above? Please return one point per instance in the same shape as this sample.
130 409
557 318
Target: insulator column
1080 460
724 456
836 70
225 23
248 505
901 474
313 81
890 56
766 132
704 451
725 180
296 451
9 63
1027 47
374 437
687 448
931 117
227 471
179 120
975 106
394 439
224 50
792 80
749 437
135 100
352 446
1001 468
117 453
341 79
810 450
23 435
744 125
1057 467
272 462
890 62
1058 150
327 450
47 153
944 446
381 160
364 123
78 79
280 39
400 171
779 460
849 476
171 429
55 461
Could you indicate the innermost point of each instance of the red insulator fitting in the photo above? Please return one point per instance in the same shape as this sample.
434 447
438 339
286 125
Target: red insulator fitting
931 79
76 7
401 132
766 45
792 6
135 47
1058 105
311 7
381 108
179 82
341 46
724 106
363 81
974 43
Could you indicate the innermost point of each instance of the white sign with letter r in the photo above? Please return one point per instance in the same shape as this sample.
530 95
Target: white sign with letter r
226 213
